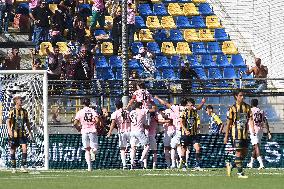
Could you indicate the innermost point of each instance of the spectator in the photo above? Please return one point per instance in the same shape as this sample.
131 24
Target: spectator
32 5
2 10
7 14
130 22
40 16
69 67
189 74
85 65
13 60
98 15
55 35
146 59
55 63
117 31
58 19
36 62
79 30
259 71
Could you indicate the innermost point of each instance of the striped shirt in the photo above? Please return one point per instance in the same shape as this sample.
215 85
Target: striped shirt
191 121
19 119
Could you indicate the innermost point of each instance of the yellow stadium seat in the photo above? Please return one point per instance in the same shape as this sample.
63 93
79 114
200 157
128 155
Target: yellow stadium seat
108 23
206 35
229 47
107 48
53 7
183 48
42 51
153 22
174 9
136 37
88 32
198 1
168 22
168 48
190 9
62 47
145 35
190 35
213 22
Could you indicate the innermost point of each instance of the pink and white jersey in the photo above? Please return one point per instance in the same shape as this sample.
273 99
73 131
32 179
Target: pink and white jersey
138 119
142 95
86 116
153 126
177 109
258 118
122 120
169 127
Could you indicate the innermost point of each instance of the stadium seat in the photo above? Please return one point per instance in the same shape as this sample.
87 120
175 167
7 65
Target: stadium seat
145 35
136 46
175 36
23 8
229 47
139 22
206 35
229 73
105 73
62 47
184 1
145 10
175 61
221 35
101 62
160 10
168 48
198 1
193 62
133 64
53 8
198 48
222 61
198 22
170 1
118 74
183 48
115 62
182 22
153 22
214 48
207 61
169 74
42 51
162 62
154 47
161 35
244 75
205 9
213 22
174 9
189 9
201 73
237 61
100 32
214 73
167 22
107 48
190 35
108 23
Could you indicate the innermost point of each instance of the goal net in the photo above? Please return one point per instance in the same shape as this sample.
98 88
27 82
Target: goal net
32 87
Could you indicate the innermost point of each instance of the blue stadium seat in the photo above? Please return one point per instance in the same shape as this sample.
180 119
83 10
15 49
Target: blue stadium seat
207 61
214 73
162 62
133 63
237 61
154 47
170 1
160 10
139 22
201 73
100 32
222 61
115 62
175 36
193 62
176 61
101 62
229 73
118 74
145 10
169 74
183 22
105 73
198 22
198 48
205 9
184 1
221 35
214 48
244 75
161 35
85 10
135 47
23 8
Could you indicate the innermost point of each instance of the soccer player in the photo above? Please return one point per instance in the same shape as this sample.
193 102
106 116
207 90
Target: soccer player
17 123
215 123
121 119
259 122
89 120
238 123
189 133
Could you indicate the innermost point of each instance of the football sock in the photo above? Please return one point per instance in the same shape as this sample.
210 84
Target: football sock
259 159
24 159
173 157
155 158
197 157
132 155
167 158
239 164
88 158
123 158
13 160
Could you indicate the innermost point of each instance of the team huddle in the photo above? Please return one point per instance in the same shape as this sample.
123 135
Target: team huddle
137 124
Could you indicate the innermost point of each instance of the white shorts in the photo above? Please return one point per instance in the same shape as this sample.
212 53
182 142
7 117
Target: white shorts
256 139
176 140
168 138
138 137
123 138
152 142
90 140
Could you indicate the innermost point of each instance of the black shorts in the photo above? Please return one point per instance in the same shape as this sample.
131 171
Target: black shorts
240 143
15 142
186 140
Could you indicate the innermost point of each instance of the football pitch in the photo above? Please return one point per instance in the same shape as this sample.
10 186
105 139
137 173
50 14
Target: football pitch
132 179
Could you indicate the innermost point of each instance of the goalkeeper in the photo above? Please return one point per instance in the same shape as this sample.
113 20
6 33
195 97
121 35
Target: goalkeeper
17 123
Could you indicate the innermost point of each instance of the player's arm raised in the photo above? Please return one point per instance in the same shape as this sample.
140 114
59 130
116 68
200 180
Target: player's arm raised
199 107
163 102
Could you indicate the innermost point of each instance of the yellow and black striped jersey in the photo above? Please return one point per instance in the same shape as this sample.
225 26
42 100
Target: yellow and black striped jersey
19 119
239 115
191 121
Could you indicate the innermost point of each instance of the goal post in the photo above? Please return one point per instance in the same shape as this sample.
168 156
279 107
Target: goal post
36 84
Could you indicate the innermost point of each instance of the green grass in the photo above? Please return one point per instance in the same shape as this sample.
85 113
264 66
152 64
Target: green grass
132 179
